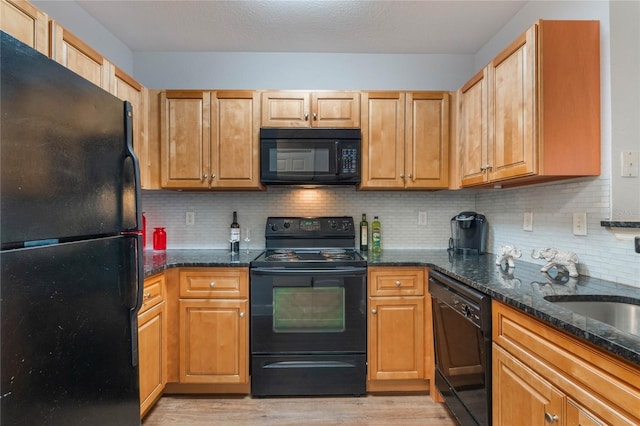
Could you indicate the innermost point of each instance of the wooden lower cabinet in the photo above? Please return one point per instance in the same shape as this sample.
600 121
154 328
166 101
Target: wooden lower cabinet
400 342
543 376
214 341
152 342
213 326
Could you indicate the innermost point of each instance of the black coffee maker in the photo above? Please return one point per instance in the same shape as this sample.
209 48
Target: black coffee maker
468 233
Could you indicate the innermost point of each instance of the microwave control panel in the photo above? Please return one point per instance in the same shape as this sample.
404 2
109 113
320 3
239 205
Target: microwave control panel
349 161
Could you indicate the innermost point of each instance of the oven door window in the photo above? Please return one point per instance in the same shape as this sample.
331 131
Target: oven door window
308 310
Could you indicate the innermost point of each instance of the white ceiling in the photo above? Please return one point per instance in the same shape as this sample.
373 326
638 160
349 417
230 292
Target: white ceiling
336 26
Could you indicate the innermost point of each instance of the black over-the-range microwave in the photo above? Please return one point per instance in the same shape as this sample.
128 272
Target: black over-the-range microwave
310 156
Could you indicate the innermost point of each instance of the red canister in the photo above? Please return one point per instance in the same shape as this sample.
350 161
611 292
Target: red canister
159 239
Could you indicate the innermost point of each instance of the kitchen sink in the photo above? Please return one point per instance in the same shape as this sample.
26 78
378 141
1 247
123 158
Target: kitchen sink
623 315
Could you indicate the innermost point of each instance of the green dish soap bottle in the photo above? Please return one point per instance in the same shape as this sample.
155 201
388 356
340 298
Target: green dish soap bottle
376 235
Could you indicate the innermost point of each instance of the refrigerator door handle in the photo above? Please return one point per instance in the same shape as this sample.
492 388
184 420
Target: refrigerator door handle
131 204
133 286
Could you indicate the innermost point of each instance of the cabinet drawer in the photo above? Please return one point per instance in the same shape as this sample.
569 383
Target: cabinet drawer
214 283
153 292
384 281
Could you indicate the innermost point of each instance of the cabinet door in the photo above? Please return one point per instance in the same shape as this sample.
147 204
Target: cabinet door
335 109
285 109
214 337
396 338
520 396
382 140
235 135
473 131
511 102
185 139
79 57
152 361
427 140
25 22
126 88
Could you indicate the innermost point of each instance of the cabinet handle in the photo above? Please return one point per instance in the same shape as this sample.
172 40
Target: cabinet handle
401 175
410 175
315 116
212 284
241 314
306 116
550 418
204 177
213 176
374 311
398 283
147 295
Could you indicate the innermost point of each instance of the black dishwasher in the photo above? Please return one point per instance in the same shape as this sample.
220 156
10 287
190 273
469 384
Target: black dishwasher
462 334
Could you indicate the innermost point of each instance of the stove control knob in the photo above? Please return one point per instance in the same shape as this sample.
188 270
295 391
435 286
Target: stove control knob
332 224
274 227
345 226
287 225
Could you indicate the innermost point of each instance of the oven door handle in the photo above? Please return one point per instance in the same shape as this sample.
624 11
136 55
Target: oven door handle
356 270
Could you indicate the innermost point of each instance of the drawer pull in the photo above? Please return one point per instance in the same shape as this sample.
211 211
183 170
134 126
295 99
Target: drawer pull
147 295
550 418
212 284
398 283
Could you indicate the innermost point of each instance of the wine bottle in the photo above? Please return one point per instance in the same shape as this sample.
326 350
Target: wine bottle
376 235
364 233
234 234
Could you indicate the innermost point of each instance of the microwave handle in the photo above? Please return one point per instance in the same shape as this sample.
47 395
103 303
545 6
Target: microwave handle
338 157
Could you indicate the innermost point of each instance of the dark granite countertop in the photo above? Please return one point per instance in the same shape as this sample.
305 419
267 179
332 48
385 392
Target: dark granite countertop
158 261
524 287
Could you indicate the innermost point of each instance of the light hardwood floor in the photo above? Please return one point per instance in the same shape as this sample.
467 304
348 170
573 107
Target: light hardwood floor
173 410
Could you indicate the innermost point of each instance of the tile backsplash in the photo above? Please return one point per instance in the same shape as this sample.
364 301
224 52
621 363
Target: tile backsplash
398 213
601 254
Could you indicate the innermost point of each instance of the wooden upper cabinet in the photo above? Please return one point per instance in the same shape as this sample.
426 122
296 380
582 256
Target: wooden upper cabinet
25 22
511 97
126 88
382 140
542 108
185 137
427 140
405 140
310 109
235 135
78 56
472 129
210 140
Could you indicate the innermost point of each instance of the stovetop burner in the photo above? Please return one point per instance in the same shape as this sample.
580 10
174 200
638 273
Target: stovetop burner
329 255
310 241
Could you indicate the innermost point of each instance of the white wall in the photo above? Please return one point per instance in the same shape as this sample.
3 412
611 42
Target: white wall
625 105
302 71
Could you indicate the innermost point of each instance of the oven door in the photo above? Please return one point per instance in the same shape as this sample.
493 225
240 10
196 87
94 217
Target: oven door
302 311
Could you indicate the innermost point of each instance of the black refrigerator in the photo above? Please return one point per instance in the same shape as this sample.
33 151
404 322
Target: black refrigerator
71 247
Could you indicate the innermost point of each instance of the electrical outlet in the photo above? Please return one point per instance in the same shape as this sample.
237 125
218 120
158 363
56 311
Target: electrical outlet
579 224
422 218
527 225
190 218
